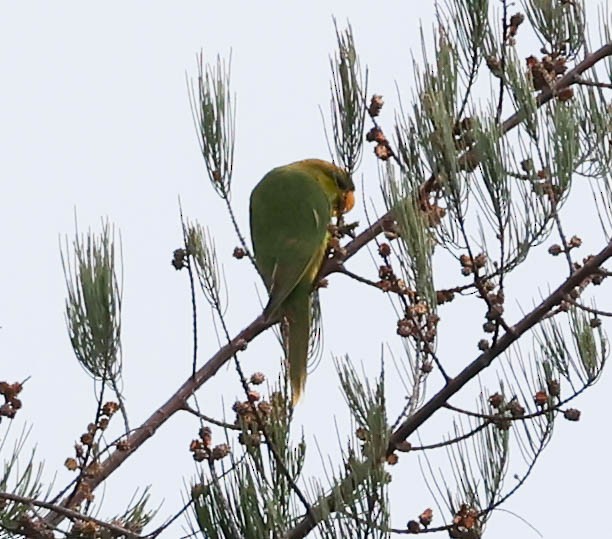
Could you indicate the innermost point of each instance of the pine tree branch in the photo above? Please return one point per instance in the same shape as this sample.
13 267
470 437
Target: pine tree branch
178 400
328 503
175 403
69 513
594 84
486 358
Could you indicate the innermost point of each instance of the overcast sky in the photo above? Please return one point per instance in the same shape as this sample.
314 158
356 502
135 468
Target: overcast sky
95 122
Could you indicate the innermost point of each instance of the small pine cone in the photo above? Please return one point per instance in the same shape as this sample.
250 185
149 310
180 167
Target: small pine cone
376 104
426 517
257 378
413 526
384 249
220 451
496 400
572 414
383 152
541 398
239 253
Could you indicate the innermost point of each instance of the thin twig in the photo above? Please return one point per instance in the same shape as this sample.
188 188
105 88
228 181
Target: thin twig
597 312
358 278
502 61
168 522
566 247
194 306
451 441
69 513
594 84
210 419
241 239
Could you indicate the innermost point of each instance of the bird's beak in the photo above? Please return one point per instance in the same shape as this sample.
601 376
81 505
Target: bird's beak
348 201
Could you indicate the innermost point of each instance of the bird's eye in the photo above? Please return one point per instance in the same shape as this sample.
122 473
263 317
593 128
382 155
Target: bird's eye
340 178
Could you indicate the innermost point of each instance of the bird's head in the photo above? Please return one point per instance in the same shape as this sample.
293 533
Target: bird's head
336 181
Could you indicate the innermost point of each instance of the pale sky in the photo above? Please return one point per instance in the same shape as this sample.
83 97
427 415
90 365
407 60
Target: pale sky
96 121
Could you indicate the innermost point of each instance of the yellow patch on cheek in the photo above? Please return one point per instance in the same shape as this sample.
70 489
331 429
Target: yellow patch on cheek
348 201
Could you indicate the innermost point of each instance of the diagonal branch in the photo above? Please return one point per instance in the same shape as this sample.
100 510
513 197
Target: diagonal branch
174 404
329 503
75 516
178 400
486 358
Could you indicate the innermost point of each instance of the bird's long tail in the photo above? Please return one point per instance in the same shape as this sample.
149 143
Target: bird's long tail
297 312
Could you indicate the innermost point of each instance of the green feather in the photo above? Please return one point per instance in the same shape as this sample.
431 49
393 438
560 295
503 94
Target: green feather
291 208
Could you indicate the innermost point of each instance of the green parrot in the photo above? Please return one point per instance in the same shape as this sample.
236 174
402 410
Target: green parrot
291 208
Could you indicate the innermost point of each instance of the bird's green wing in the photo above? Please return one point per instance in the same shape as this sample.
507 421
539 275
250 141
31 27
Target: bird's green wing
289 216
